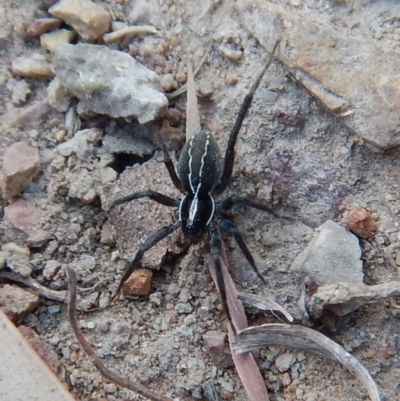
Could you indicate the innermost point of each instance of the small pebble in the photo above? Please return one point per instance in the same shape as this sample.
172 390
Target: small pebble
160 49
60 135
361 223
103 327
53 309
180 77
133 50
104 301
184 309
168 82
175 41
286 379
91 325
284 362
231 79
229 53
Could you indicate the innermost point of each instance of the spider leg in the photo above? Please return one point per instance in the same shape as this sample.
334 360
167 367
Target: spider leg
228 227
216 250
155 196
229 202
230 150
148 244
169 165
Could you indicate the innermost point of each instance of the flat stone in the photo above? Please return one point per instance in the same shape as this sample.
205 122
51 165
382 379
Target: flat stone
351 76
56 38
42 348
21 165
35 66
333 256
22 215
89 19
109 82
17 302
25 375
43 25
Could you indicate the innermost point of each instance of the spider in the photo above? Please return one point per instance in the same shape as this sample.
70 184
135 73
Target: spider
202 174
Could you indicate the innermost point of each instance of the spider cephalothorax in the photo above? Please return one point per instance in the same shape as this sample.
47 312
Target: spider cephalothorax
202 173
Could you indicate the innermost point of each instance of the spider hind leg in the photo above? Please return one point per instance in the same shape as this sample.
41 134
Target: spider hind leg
229 228
151 241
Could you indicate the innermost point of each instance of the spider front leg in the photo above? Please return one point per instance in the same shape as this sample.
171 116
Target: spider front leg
230 150
153 195
229 202
149 243
169 165
228 227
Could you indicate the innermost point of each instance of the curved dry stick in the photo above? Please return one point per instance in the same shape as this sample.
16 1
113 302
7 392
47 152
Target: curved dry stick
107 374
254 338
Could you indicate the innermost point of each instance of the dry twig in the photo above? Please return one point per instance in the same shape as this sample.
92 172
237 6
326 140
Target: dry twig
254 338
106 373
245 364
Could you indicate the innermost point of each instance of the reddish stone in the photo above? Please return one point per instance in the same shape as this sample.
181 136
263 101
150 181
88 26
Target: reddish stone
138 283
43 25
21 165
16 302
360 222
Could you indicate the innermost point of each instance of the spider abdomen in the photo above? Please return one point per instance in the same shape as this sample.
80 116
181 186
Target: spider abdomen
200 164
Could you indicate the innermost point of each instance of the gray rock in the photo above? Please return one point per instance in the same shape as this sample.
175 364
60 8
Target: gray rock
19 265
109 82
50 269
58 96
333 256
81 143
82 185
20 90
184 308
368 96
284 362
